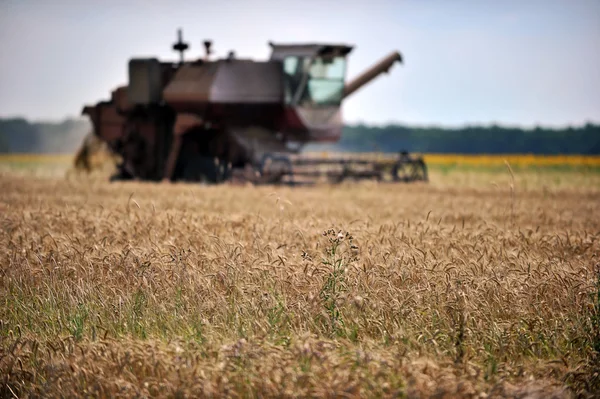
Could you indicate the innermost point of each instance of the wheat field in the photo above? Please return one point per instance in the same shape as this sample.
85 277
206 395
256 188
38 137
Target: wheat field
474 285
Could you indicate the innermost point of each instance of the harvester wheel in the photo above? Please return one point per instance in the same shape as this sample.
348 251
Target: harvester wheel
409 170
399 171
420 170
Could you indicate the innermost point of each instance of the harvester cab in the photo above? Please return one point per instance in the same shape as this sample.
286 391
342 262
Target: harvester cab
223 119
314 74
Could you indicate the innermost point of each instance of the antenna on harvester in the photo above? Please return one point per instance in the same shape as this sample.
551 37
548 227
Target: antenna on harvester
180 46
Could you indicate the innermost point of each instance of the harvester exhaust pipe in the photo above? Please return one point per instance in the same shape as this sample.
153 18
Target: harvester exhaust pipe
382 66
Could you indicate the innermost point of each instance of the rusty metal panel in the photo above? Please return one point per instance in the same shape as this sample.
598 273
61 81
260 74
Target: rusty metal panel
145 81
248 82
323 124
185 122
121 99
226 82
110 123
191 84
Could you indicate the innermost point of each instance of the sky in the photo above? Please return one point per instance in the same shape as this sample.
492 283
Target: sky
517 63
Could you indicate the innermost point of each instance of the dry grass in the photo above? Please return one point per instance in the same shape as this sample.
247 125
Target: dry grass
467 287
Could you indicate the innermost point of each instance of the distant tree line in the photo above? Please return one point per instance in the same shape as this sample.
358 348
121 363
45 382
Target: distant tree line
472 139
20 135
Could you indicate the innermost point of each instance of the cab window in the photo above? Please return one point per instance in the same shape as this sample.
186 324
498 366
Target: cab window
314 81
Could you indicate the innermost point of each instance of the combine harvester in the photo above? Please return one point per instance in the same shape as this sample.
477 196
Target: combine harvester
240 120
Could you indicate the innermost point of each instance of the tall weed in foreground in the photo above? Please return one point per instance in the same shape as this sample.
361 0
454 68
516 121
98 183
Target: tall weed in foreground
338 255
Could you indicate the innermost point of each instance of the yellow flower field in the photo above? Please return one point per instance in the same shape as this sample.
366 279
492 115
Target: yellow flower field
432 159
512 159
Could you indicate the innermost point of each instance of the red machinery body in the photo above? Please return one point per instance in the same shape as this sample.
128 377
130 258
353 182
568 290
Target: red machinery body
204 119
